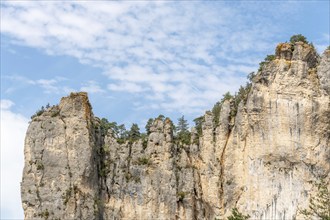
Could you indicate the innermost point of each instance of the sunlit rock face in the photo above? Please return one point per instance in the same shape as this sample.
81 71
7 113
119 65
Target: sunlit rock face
264 159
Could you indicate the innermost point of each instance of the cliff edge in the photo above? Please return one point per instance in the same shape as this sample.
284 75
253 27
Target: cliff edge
263 157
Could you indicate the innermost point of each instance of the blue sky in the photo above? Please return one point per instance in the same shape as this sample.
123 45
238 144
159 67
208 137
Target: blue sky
135 59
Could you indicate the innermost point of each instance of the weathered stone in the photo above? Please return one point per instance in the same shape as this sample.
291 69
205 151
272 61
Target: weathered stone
263 160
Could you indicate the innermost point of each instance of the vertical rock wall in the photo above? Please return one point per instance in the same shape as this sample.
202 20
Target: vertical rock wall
263 160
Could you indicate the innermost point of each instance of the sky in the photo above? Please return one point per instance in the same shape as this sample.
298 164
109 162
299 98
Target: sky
136 60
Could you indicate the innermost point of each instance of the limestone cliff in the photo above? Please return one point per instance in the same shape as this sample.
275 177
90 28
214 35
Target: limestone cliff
263 159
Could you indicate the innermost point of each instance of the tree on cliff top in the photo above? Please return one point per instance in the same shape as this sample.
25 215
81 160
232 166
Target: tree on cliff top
297 38
134 133
148 125
183 134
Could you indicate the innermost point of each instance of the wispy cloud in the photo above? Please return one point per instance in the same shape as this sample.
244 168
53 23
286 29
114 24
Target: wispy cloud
92 87
175 55
49 86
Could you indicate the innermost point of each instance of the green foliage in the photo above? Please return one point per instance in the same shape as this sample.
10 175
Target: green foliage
70 191
161 117
55 113
182 125
226 96
267 59
40 166
143 161
144 138
134 134
328 48
198 125
105 126
319 205
38 112
44 214
181 195
270 58
122 134
183 135
118 131
217 107
148 125
250 76
236 215
298 38
216 112
42 110
242 95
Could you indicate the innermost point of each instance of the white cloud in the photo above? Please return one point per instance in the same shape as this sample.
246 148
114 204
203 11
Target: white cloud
151 48
49 86
5 104
92 87
13 128
126 87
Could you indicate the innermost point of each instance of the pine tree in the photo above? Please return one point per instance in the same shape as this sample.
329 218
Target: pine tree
298 38
198 125
122 134
182 126
148 125
134 133
183 134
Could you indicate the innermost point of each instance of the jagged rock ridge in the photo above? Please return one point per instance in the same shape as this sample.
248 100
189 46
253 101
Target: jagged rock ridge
262 161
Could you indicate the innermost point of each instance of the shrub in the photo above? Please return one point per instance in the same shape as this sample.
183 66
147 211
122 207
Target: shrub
267 59
319 205
298 38
143 161
39 112
40 166
55 113
181 195
236 215
44 214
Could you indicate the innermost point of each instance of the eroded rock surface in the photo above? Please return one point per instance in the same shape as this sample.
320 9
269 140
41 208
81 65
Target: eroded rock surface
262 160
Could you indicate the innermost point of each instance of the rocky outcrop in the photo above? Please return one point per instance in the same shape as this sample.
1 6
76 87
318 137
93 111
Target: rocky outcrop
262 160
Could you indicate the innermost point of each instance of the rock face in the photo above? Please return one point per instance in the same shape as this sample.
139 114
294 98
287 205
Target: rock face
262 160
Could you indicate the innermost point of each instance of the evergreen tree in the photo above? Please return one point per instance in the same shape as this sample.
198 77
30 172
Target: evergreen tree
250 76
134 133
183 134
216 112
226 96
198 125
161 117
182 126
298 38
148 125
122 133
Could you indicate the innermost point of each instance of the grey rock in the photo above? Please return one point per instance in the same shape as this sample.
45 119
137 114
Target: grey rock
263 160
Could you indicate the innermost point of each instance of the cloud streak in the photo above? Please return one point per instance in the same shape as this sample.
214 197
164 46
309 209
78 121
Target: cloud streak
174 53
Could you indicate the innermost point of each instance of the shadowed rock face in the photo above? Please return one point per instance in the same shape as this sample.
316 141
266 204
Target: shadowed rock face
263 161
